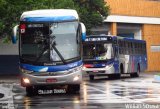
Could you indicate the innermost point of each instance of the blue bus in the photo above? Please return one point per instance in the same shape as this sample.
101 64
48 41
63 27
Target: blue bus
50 49
113 56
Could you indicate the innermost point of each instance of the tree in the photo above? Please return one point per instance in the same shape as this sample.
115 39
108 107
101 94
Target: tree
91 12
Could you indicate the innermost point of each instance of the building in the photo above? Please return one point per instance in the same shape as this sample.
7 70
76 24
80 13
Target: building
139 19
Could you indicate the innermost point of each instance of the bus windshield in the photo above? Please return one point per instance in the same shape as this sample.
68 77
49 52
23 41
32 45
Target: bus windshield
49 42
100 51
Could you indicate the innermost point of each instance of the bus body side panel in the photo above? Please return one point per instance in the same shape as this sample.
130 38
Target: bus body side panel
122 61
143 63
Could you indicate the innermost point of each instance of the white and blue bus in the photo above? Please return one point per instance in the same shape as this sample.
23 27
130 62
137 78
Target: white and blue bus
113 56
50 44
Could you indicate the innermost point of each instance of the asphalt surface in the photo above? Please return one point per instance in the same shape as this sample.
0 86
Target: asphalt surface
102 93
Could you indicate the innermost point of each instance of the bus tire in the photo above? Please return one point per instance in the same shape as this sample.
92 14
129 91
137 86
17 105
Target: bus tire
30 91
114 76
136 74
118 76
74 88
91 77
121 69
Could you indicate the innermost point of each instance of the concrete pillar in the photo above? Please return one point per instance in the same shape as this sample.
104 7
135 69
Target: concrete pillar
113 29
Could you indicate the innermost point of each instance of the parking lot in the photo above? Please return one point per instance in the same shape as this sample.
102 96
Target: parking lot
102 93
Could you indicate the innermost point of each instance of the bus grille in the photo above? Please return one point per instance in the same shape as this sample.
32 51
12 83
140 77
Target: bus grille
51 73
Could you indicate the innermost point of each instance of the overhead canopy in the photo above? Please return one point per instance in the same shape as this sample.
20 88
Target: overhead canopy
132 19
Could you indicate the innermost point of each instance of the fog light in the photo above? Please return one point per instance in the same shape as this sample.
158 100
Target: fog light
26 80
76 78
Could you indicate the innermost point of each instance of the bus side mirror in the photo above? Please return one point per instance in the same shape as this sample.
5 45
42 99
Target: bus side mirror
15 35
83 29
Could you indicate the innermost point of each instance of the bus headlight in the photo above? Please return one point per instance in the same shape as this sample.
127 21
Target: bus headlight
109 66
26 80
84 67
76 78
75 69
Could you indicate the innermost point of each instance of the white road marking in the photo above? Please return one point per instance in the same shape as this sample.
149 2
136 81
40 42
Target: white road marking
7 101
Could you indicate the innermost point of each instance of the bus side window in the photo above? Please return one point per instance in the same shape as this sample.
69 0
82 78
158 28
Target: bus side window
120 46
112 52
116 51
144 48
123 47
139 48
127 47
136 48
132 48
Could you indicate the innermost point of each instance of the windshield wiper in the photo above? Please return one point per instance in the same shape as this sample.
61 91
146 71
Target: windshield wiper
41 54
59 54
47 48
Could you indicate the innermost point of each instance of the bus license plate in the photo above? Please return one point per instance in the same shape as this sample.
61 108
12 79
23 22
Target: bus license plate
54 91
51 80
95 71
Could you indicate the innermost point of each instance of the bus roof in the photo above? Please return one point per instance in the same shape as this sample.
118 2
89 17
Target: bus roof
50 15
128 39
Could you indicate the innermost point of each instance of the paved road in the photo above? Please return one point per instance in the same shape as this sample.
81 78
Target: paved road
97 94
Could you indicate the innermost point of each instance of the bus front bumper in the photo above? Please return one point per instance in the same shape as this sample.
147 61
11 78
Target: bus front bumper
32 80
100 71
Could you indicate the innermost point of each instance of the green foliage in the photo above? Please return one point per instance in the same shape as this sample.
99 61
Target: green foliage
6 39
91 12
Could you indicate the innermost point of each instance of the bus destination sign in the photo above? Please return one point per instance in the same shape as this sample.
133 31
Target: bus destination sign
98 39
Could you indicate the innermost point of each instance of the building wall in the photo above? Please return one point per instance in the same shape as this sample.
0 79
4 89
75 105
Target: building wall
135 7
150 33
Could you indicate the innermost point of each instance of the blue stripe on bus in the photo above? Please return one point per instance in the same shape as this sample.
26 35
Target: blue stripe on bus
46 19
83 36
14 39
50 68
101 65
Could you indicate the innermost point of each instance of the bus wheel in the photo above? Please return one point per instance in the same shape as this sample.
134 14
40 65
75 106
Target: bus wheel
114 76
118 76
136 74
91 77
30 91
